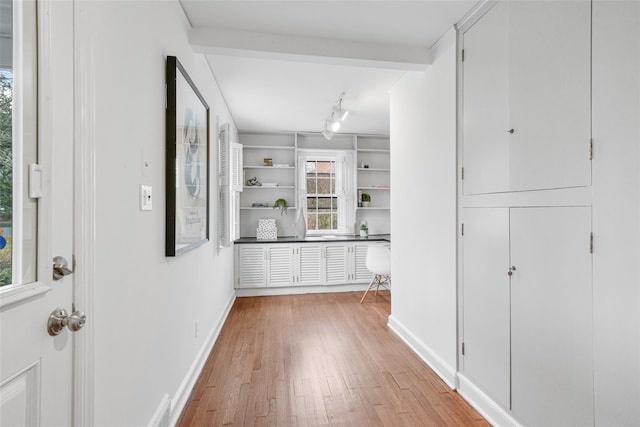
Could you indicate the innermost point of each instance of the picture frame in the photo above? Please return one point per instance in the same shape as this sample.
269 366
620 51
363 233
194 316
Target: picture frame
187 162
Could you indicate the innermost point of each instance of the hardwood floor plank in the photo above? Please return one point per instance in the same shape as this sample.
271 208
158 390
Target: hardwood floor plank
318 360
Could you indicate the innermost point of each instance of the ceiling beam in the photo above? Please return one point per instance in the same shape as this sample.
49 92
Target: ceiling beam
308 49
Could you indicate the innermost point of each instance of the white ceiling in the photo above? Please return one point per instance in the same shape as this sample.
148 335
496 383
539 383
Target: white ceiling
268 90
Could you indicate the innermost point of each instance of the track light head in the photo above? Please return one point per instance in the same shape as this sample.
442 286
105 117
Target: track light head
336 116
339 113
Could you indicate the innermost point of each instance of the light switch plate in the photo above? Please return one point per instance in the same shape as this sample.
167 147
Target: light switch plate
146 198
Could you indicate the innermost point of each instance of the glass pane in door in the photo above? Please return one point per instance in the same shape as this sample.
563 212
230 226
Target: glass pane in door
18 149
6 151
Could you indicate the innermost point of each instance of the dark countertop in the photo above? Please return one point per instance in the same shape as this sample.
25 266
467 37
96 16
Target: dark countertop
310 239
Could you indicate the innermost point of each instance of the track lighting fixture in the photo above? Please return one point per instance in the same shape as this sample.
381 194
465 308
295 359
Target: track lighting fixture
336 116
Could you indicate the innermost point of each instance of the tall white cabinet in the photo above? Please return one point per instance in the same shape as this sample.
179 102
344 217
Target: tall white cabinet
526 305
527 97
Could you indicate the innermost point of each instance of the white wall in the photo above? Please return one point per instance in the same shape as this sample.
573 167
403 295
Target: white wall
146 305
616 212
423 218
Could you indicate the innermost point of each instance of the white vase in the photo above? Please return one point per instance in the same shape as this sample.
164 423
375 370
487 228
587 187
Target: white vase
365 204
301 224
364 233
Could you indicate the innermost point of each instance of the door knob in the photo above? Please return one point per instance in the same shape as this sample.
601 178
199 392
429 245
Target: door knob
61 268
511 270
511 131
59 318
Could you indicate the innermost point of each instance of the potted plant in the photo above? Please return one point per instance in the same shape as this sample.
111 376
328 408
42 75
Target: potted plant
282 204
366 199
364 230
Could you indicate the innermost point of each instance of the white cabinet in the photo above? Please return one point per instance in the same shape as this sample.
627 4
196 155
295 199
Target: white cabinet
486 300
359 263
527 311
526 98
309 264
346 263
551 316
279 265
251 266
336 265
262 265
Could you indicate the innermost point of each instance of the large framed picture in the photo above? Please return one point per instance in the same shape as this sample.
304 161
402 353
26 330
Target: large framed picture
187 162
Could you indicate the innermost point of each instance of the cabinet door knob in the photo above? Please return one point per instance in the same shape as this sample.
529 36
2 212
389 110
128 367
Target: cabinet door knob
510 131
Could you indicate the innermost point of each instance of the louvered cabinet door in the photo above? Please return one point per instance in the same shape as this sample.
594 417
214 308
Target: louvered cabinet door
310 265
280 265
336 264
360 271
252 266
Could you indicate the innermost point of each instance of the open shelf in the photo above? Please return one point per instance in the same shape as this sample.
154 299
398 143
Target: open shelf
373 150
374 170
249 208
268 147
268 167
262 187
374 188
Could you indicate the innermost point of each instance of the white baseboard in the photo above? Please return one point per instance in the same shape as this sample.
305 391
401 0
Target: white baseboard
163 414
435 362
490 410
297 290
184 391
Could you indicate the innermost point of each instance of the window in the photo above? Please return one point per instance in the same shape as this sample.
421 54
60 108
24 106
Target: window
322 199
326 191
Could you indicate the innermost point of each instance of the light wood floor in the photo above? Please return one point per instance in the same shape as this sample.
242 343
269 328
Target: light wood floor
317 360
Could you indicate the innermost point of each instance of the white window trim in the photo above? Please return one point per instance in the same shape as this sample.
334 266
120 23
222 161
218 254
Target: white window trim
345 187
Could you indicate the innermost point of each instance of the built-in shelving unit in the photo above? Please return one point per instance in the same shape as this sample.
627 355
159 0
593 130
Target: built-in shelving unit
374 178
282 148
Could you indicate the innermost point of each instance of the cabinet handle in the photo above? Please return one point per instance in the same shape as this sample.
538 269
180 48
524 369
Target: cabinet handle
511 270
511 131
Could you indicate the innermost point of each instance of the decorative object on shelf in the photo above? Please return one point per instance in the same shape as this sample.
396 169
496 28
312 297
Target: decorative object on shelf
359 198
282 204
301 224
252 182
336 117
187 162
260 205
364 229
267 229
268 161
366 200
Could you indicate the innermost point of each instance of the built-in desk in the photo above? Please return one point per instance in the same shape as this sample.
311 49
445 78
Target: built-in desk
303 265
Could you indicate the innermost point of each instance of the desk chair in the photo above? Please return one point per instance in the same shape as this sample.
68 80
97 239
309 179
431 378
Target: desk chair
378 262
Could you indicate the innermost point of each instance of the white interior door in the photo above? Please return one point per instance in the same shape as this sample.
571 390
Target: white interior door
551 312
36 371
486 311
